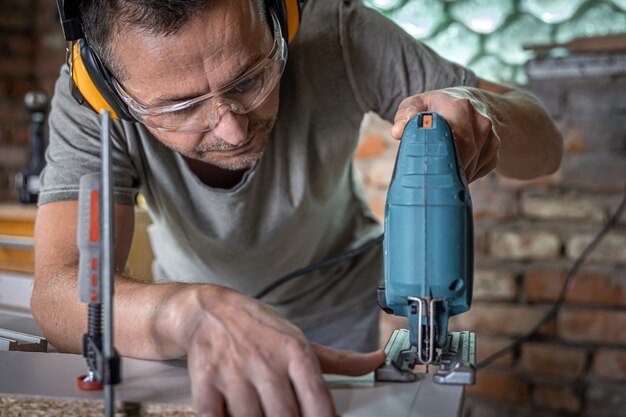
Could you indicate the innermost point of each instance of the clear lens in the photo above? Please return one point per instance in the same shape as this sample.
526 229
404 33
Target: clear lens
203 113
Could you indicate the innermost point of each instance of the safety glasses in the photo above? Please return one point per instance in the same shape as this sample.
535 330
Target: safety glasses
203 113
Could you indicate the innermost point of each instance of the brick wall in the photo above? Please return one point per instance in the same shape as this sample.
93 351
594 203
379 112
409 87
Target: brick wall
527 235
31 52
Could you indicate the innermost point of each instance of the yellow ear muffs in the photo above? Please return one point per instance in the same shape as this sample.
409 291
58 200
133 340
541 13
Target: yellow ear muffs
94 82
86 86
293 18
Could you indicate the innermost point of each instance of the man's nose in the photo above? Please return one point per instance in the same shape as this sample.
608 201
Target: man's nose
232 128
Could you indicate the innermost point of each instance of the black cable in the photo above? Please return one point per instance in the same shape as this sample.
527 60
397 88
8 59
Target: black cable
319 265
566 286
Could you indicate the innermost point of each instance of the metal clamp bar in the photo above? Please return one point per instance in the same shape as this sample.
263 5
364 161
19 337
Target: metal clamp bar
14 242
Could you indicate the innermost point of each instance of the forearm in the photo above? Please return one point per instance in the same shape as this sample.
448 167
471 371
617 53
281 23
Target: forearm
531 145
150 319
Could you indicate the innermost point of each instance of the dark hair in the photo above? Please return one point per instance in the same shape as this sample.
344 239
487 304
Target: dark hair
104 19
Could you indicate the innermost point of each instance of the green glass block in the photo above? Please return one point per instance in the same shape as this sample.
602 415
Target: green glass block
598 20
419 18
552 11
492 68
383 5
482 16
620 3
521 77
508 42
456 43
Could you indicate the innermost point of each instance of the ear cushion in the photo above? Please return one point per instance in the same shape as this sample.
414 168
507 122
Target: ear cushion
93 81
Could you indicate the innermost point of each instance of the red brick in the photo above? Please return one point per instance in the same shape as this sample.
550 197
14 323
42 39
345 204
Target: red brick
553 360
18 134
592 326
16 66
573 144
612 248
501 319
480 241
21 45
598 96
15 20
476 406
605 399
587 288
488 345
557 398
490 201
613 203
566 208
610 363
524 244
379 173
494 285
500 385
581 133
594 172
19 88
370 146
551 94
13 112
12 156
377 205
543 182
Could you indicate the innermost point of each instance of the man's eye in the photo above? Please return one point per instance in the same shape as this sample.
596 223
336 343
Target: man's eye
245 86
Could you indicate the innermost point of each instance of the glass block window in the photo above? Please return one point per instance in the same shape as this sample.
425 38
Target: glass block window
489 36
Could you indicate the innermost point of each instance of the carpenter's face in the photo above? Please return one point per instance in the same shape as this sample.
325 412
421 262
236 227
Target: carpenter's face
210 51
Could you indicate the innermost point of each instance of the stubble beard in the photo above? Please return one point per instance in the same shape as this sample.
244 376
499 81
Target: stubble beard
204 151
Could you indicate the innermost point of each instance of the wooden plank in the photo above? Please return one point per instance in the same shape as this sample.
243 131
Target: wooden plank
19 220
17 228
18 212
16 260
608 43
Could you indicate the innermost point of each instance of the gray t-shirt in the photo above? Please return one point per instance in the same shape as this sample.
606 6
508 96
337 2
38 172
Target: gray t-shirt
301 203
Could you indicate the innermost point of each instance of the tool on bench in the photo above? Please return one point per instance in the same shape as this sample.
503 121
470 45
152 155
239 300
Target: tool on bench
428 256
95 273
27 180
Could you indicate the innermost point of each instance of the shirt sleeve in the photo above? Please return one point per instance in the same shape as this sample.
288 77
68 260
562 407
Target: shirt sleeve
74 150
386 65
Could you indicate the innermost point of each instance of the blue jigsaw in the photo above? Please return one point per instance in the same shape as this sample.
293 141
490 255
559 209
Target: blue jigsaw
429 256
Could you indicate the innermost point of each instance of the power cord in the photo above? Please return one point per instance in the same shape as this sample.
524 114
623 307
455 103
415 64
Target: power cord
566 286
319 265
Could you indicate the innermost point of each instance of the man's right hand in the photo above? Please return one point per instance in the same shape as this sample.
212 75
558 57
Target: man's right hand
245 358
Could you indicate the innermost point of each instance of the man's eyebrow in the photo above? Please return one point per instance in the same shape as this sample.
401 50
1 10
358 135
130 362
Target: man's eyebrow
165 99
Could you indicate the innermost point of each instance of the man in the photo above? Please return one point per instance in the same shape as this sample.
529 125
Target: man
245 188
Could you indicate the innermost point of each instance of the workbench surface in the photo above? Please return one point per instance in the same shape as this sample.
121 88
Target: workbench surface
164 387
